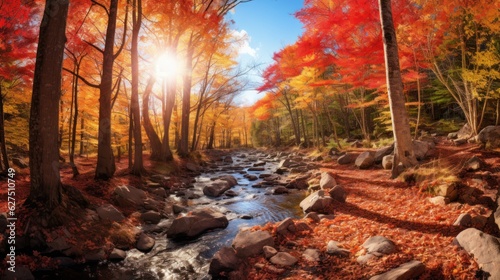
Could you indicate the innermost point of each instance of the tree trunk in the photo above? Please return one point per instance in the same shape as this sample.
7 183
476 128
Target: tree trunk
46 187
154 139
105 159
75 122
403 148
82 127
3 147
138 166
183 149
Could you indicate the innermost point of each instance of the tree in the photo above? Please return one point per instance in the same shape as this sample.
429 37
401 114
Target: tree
403 146
46 186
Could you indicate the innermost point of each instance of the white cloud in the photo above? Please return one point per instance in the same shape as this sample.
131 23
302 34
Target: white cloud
242 41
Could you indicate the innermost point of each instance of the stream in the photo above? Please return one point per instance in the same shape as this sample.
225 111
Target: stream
190 259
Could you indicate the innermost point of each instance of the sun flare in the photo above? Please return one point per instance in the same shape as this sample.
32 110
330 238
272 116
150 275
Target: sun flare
168 66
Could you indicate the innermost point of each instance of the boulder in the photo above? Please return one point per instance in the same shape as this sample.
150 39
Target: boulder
178 209
484 247
298 183
407 271
382 152
327 181
338 193
365 160
490 136
250 243
145 242
316 202
230 180
129 196
196 223
108 212
449 190
216 188
280 190
439 200
474 164
251 177
269 251
464 220
347 158
313 216
332 248
151 217
387 162
311 255
421 149
464 132
283 259
379 245
224 261
286 163
285 226
117 255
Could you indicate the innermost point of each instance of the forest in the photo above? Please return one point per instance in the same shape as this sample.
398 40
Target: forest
371 153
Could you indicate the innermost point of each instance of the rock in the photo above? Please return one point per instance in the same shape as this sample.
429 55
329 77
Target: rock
474 164
151 217
363 259
283 259
347 158
447 190
406 271
313 216
225 260
231 193
192 167
259 163
227 159
421 149
95 256
250 243
379 245
251 177
285 226
484 247
117 255
316 202
338 193
464 132
21 273
196 223
161 192
145 243
387 162
452 135
59 244
280 190
490 136
311 255
439 200
463 220
327 181
299 183
479 221
365 160
300 169
108 212
217 188
459 142
382 152
158 178
332 248
230 180
129 196
178 209
301 226
256 169
19 162
269 251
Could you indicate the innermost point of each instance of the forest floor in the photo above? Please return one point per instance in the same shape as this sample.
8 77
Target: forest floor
375 205
400 211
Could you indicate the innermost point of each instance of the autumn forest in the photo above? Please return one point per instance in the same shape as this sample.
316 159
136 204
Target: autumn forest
121 127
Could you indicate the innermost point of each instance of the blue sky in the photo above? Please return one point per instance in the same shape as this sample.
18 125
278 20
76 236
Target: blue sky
269 26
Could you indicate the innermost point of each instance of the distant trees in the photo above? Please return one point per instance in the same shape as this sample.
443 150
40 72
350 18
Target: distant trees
331 81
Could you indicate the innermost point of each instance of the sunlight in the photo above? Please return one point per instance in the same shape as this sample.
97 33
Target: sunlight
168 66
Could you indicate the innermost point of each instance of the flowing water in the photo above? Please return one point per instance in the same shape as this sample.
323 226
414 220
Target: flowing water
190 259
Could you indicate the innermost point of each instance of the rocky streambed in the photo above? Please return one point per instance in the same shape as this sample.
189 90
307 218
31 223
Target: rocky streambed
234 190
